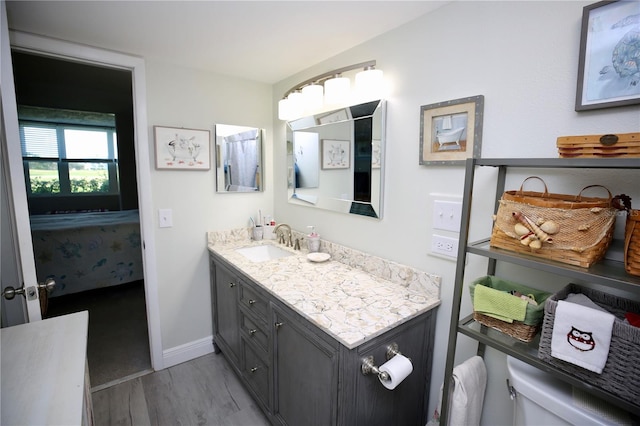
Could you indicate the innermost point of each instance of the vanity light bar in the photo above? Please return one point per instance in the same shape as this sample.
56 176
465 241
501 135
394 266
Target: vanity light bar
328 88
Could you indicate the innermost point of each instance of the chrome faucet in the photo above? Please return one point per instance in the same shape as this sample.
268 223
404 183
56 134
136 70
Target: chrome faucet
280 234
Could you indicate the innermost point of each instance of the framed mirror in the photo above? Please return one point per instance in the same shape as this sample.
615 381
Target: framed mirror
335 159
238 158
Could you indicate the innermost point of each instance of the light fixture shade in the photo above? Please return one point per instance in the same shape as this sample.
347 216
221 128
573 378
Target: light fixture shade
369 82
336 90
284 109
313 97
296 104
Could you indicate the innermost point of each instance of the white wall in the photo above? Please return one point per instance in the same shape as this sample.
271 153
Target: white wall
522 56
181 97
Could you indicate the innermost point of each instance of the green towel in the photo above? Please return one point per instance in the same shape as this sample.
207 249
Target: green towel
499 304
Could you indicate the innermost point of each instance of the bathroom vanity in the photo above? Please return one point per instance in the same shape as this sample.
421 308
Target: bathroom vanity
297 332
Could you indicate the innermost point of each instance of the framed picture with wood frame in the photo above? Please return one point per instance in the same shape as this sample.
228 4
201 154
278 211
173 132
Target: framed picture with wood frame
182 149
451 131
608 65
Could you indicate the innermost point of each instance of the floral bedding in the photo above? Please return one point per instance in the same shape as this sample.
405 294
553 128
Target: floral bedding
83 251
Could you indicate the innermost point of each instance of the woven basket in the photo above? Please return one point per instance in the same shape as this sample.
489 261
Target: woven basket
599 146
521 330
621 373
516 329
586 224
632 243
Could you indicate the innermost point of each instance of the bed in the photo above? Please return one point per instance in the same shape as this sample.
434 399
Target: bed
84 251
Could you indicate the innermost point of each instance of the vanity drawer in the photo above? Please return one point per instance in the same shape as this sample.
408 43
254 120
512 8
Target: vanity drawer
254 331
253 301
257 374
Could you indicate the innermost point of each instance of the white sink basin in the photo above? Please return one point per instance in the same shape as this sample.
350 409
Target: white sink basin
263 253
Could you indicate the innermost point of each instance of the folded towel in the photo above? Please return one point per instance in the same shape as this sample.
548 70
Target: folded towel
466 394
583 299
581 335
633 319
499 304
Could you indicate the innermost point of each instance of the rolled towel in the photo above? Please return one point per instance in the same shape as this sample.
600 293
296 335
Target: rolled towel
581 335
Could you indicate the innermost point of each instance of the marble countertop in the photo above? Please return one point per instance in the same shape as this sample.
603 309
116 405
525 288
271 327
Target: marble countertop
351 305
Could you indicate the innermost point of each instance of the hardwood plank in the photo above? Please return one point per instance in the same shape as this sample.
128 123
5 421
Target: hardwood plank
123 404
204 391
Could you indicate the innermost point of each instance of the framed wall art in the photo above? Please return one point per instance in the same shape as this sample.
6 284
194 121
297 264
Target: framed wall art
608 73
336 154
451 131
182 149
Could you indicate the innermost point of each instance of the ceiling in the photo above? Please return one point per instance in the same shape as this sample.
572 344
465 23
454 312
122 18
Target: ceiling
265 41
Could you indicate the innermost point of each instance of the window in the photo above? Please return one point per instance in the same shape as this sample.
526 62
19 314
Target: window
68 152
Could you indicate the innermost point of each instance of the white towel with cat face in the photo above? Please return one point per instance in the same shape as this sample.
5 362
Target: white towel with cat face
581 335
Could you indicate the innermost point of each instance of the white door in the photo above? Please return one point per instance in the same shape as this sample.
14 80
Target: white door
16 193
86 54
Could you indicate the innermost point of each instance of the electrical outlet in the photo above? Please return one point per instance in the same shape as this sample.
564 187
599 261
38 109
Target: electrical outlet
444 246
447 215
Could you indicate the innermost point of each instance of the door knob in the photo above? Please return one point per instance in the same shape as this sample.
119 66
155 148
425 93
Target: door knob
10 292
48 284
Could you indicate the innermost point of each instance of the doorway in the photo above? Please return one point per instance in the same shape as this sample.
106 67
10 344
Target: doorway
118 331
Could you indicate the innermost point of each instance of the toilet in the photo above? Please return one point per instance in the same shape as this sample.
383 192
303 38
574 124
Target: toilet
541 399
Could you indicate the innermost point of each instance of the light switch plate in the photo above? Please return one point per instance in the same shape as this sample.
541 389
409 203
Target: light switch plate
447 215
165 218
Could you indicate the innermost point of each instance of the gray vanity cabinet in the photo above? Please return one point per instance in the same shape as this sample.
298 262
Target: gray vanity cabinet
224 303
376 405
255 340
306 373
300 375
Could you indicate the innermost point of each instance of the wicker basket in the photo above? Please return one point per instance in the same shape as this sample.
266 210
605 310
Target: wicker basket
521 330
621 374
586 224
599 146
632 243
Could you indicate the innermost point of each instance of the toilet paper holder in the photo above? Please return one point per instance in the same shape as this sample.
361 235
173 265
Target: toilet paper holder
369 366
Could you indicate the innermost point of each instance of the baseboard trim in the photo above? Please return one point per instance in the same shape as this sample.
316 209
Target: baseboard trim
187 352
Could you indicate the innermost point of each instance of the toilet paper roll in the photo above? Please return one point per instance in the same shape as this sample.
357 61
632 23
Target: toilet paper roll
398 368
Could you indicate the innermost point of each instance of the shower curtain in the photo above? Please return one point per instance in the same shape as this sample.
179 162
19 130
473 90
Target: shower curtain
242 160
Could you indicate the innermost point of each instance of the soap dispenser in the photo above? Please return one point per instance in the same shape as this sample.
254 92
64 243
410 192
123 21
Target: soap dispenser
313 240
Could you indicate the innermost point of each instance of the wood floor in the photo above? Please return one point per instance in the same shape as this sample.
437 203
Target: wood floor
204 391
118 343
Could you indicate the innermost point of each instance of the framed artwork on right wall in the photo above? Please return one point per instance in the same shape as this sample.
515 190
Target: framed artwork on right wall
609 61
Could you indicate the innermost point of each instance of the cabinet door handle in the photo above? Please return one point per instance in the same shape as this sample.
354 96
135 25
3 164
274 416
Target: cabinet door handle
231 285
251 301
252 332
279 324
254 369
